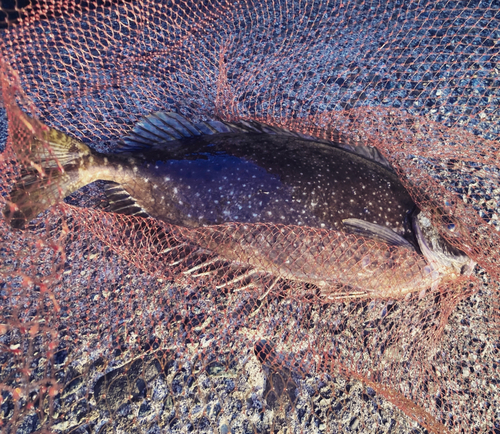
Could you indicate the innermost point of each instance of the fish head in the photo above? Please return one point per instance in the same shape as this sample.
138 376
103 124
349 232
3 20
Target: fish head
432 239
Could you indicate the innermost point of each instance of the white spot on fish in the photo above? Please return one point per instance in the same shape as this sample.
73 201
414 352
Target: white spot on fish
365 261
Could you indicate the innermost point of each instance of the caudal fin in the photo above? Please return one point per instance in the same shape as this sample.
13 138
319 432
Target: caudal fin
46 158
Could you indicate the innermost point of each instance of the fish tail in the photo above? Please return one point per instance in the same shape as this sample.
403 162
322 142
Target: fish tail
47 160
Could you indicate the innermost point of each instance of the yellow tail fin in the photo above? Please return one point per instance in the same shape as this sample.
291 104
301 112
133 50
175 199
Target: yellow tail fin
46 157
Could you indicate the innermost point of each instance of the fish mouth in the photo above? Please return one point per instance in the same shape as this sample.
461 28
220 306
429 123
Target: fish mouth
441 255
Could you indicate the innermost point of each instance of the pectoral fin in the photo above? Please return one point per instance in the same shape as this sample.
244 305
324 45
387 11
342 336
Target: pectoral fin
377 232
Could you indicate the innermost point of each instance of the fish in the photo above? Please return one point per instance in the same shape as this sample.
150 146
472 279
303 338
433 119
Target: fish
214 173
210 173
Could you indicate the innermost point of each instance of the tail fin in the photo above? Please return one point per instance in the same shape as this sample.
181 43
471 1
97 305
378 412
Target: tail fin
46 157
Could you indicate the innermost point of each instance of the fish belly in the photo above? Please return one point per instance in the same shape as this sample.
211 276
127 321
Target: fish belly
341 265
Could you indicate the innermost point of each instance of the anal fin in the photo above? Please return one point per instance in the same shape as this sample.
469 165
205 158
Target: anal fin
120 201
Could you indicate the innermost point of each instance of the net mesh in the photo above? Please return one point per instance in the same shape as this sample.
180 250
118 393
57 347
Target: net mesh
112 323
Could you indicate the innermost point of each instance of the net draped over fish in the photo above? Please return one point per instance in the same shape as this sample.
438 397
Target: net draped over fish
113 323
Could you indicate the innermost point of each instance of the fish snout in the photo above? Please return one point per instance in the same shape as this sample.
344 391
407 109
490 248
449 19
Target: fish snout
443 257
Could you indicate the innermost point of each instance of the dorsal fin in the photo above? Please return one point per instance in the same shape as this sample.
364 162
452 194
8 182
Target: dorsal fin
121 202
362 149
369 152
159 128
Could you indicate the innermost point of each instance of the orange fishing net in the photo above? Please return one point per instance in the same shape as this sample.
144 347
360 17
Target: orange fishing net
112 323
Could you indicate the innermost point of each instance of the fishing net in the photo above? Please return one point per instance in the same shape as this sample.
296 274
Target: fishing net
112 323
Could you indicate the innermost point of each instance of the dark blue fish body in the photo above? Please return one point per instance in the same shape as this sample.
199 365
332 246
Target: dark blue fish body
252 177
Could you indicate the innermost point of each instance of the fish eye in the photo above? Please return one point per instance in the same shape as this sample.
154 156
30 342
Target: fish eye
450 226
466 269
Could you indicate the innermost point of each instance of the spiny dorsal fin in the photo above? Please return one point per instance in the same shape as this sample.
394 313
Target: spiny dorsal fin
159 128
377 232
121 202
